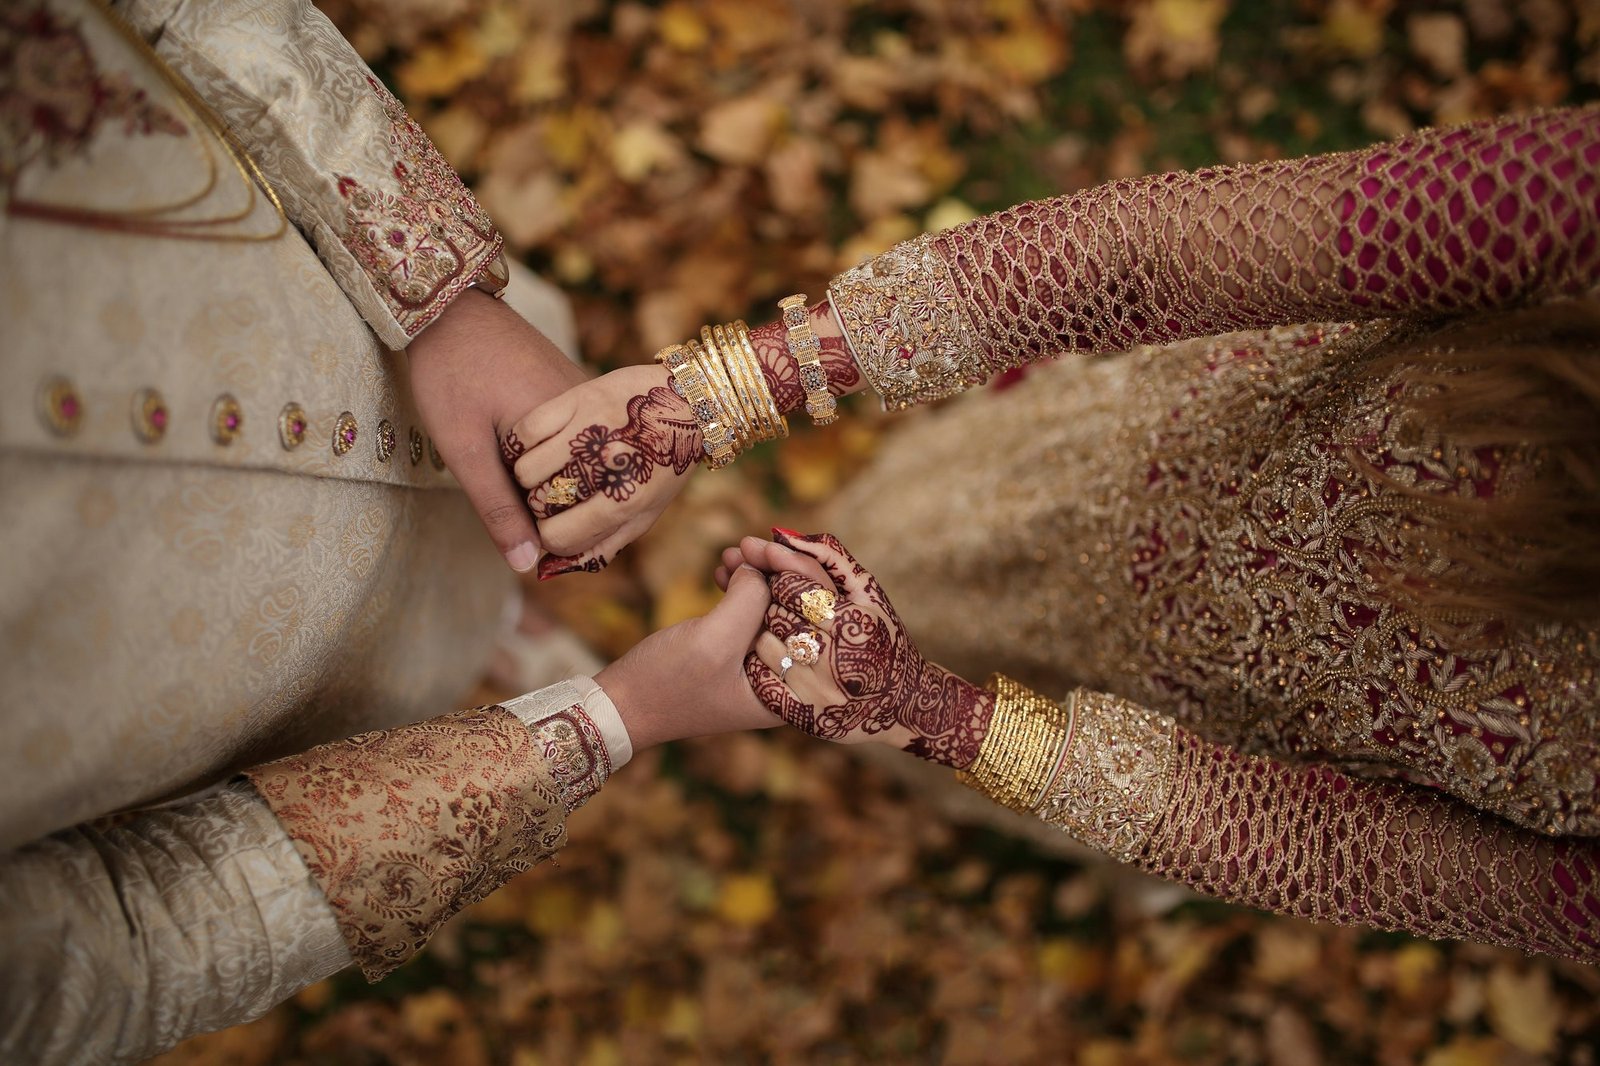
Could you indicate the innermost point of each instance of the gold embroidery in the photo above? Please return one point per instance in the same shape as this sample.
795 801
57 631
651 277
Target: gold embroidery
416 446
292 425
344 433
227 419
60 406
386 440
907 325
150 415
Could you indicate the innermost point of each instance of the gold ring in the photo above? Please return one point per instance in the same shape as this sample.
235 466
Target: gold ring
804 648
563 491
817 606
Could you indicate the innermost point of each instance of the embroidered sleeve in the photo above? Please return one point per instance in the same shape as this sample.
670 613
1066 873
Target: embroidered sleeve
579 734
1440 223
123 938
404 827
388 216
1296 839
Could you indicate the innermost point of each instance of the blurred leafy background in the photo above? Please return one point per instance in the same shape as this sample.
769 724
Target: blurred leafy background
761 898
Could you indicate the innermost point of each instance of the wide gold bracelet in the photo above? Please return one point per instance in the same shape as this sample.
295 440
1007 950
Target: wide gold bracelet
721 386
720 344
1020 752
807 353
718 441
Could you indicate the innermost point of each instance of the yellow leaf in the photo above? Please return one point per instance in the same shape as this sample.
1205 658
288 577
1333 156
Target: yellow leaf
603 1051
740 130
682 1021
440 69
1415 967
640 147
603 929
500 31
541 70
949 212
458 133
1106 1053
1523 1008
1468 1051
1354 28
568 134
747 900
1027 53
683 28
552 910
1079 968
689 595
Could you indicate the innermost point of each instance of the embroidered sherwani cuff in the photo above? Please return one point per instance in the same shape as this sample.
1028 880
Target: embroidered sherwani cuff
1099 767
402 828
579 733
387 215
907 326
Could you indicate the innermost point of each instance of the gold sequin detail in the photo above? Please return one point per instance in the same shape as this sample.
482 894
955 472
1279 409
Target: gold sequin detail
344 433
416 446
292 426
1021 747
387 439
60 406
227 419
150 415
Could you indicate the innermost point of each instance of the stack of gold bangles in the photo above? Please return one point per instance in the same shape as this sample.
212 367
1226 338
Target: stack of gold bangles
721 379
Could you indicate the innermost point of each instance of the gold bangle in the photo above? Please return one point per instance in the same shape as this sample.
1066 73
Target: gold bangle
780 424
754 391
806 350
716 375
1026 736
718 341
717 441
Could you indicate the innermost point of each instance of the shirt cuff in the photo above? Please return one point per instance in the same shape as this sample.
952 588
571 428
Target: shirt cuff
579 732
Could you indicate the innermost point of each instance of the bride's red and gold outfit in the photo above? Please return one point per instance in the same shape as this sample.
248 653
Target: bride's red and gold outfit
1197 539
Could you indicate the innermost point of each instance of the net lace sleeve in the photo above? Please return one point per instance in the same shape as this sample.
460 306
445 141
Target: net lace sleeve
1440 223
1299 839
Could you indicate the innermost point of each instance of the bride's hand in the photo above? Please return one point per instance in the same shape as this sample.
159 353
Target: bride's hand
867 682
601 462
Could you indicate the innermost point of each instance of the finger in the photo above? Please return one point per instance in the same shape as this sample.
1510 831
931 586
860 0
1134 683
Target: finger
765 555
498 501
720 576
588 524
775 695
784 623
825 548
591 561
738 618
733 557
540 462
546 421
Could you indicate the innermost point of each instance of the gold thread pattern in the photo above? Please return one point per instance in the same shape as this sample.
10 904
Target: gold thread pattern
386 439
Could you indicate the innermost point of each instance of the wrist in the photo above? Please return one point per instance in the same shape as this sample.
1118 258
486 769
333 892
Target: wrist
968 709
633 705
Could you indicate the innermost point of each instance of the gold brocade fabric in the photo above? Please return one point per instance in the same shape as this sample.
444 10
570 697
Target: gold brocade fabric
403 828
1199 529
226 536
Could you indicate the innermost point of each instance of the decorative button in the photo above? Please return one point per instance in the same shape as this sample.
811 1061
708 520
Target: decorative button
344 433
416 446
433 455
149 415
387 439
60 406
227 419
292 426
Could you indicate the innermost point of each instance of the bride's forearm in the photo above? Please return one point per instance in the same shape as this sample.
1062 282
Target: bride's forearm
782 371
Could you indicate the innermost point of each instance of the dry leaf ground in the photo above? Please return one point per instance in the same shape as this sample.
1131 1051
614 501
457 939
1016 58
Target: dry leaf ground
764 899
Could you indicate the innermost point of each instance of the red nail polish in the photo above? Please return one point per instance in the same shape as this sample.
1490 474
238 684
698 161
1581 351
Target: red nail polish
784 536
556 565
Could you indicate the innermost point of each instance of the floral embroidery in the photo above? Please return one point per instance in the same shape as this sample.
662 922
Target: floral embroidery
575 753
422 245
54 98
402 828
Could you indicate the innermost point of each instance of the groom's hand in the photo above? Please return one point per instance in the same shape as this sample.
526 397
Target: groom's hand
474 372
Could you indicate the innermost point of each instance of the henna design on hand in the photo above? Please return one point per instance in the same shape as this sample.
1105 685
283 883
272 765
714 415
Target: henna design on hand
660 431
511 448
555 565
884 678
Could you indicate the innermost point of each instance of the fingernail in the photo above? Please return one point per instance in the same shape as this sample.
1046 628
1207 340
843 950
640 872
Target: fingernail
784 536
556 565
523 557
